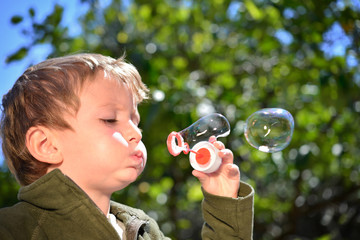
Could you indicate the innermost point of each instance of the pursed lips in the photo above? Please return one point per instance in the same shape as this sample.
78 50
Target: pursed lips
138 158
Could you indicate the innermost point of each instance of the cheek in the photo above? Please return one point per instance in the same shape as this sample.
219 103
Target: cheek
118 137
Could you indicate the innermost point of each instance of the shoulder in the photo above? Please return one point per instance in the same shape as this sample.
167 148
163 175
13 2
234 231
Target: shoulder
19 216
14 214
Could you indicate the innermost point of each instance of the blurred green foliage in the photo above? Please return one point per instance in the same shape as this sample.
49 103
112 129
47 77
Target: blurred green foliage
235 57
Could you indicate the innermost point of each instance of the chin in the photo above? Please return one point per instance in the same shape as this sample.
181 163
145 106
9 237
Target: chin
132 176
124 178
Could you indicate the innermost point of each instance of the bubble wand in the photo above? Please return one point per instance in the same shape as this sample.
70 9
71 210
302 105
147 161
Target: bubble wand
195 139
269 130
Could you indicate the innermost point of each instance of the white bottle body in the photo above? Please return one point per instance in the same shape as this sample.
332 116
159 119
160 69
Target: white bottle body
214 161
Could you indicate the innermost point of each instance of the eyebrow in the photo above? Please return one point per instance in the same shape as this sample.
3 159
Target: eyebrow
112 105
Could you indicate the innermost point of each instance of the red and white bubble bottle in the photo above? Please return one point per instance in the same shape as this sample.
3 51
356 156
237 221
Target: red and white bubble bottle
195 140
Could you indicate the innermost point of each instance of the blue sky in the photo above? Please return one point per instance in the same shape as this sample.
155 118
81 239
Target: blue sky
12 39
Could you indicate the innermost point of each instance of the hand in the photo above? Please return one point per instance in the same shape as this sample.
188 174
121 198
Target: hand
226 180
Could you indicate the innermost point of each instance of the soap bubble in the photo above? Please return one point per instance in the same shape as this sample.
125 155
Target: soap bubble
269 129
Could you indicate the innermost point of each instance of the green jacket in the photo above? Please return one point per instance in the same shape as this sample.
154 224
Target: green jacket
54 207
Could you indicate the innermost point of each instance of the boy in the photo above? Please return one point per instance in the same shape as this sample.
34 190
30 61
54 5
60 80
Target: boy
70 136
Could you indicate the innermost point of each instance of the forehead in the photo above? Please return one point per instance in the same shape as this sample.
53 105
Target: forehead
104 88
104 79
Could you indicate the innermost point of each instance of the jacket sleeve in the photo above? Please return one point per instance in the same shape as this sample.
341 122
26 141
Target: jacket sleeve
5 235
228 218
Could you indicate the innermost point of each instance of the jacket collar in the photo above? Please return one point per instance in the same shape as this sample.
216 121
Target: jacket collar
56 191
53 191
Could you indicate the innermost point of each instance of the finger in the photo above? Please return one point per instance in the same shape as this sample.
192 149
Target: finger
227 156
219 145
212 139
200 175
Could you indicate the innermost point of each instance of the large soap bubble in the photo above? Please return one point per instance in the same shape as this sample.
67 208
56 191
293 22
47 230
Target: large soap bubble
269 129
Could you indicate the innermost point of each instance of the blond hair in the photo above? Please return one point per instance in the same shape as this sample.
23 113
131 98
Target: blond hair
43 93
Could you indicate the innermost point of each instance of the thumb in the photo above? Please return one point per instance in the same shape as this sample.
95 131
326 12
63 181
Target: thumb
232 171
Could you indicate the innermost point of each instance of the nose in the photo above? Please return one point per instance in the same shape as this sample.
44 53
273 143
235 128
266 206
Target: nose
133 133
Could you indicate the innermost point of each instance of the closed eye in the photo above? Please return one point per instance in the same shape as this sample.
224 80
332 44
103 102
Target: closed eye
109 120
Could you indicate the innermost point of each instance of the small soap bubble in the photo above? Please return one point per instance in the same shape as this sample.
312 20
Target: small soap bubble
269 129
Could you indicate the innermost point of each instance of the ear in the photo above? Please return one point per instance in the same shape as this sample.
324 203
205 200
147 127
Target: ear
42 145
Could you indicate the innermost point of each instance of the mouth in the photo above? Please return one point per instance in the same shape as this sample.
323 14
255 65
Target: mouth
138 159
139 156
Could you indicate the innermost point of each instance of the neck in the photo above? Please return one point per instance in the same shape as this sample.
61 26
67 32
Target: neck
102 202
99 197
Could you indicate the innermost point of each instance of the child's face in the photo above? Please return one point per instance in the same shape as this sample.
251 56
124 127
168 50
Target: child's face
104 152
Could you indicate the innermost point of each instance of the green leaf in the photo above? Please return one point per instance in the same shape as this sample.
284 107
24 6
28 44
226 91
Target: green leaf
18 55
16 19
254 11
32 12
